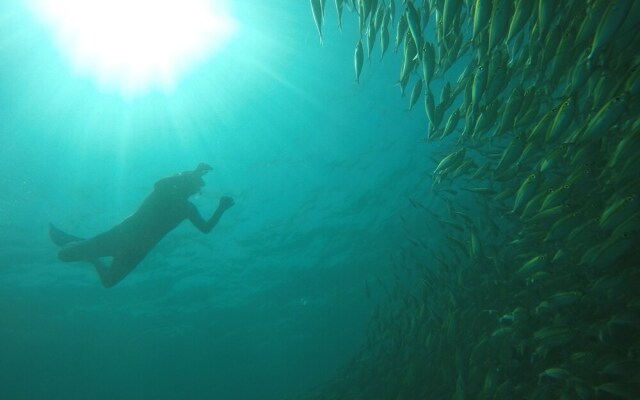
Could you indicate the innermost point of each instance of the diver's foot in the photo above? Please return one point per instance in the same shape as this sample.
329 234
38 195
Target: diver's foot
61 238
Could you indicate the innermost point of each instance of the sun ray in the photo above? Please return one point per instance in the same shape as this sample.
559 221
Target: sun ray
136 45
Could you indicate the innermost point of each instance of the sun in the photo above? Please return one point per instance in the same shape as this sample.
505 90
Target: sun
136 45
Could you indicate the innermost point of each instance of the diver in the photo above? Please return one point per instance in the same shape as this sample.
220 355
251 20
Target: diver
130 241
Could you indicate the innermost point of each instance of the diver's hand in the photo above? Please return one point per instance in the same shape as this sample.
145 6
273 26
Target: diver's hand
226 202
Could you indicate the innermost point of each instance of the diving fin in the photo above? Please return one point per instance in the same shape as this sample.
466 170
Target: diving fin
61 238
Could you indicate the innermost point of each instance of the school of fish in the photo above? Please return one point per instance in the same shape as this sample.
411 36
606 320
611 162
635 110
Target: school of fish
536 293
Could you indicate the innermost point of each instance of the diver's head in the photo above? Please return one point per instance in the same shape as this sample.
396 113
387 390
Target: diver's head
202 169
191 181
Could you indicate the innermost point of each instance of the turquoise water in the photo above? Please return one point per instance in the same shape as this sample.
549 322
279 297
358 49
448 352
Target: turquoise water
486 252
269 303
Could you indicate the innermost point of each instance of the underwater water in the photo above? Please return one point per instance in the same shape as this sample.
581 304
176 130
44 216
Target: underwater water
274 299
474 237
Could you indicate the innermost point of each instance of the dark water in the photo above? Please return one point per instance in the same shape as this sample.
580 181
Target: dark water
343 270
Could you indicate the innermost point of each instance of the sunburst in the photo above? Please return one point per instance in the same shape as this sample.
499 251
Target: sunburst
136 45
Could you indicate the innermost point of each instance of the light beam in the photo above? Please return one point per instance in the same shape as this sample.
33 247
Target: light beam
136 45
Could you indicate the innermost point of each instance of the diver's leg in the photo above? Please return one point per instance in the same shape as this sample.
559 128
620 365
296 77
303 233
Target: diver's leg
102 245
85 250
121 266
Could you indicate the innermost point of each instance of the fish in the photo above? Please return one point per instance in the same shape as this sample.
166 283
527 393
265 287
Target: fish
526 192
562 120
450 11
534 140
446 98
559 374
413 21
499 23
339 7
610 251
318 15
479 85
556 197
554 336
482 16
430 106
487 191
366 7
620 209
621 390
401 31
452 160
564 299
546 14
620 368
428 63
522 13
553 158
358 59
532 266
384 41
451 124
415 93
604 119
611 21
371 38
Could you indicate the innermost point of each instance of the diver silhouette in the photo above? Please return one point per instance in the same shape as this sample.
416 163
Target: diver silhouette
130 241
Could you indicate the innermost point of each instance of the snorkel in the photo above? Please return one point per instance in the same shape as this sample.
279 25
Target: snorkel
193 179
186 183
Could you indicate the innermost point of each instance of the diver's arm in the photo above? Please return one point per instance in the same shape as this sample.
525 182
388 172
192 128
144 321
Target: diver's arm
206 226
